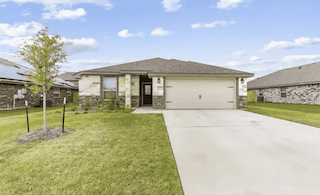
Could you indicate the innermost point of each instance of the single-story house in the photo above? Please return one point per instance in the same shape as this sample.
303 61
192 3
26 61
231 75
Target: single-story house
166 84
72 77
299 85
13 93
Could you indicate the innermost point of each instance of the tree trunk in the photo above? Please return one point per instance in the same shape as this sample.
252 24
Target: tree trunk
44 111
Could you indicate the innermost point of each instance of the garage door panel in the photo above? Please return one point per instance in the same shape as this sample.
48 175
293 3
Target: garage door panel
199 94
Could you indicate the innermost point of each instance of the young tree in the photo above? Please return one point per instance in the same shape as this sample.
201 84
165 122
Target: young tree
43 54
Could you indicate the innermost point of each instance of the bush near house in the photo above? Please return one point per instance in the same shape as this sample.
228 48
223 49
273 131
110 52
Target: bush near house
251 97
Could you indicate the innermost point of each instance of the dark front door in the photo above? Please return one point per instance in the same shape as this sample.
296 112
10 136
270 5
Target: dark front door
147 94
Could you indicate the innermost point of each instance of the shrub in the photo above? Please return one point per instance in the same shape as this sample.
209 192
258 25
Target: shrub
86 106
76 98
77 112
72 108
127 109
113 103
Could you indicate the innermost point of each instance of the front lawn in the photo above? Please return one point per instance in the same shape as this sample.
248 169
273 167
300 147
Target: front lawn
300 113
106 153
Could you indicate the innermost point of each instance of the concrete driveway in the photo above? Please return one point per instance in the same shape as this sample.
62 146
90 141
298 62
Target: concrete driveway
234 152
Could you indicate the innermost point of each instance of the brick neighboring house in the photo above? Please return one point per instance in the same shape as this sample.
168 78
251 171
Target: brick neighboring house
13 93
166 84
72 77
299 85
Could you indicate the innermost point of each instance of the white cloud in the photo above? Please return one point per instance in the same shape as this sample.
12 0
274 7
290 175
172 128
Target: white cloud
239 53
235 63
25 13
52 3
227 4
64 14
159 32
299 58
255 58
20 29
15 41
171 5
125 34
213 24
3 5
11 57
282 45
79 45
85 64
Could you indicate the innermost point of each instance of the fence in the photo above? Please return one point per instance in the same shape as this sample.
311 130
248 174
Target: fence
251 98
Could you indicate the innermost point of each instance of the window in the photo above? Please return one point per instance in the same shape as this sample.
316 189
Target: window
68 93
147 89
109 86
56 93
283 92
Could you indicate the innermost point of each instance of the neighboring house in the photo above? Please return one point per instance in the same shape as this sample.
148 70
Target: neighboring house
300 85
166 84
13 93
72 77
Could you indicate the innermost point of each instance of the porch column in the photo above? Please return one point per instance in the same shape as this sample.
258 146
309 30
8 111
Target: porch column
128 90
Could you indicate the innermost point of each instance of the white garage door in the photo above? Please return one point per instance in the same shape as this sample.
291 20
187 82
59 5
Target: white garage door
200 93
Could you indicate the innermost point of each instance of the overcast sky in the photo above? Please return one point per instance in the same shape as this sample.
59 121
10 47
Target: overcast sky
258 36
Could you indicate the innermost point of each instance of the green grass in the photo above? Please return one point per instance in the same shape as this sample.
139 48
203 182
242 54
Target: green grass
106 153
305 114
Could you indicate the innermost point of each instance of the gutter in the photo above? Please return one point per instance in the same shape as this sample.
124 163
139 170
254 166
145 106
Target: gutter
283 85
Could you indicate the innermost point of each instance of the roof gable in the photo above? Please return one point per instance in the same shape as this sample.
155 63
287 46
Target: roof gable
305 74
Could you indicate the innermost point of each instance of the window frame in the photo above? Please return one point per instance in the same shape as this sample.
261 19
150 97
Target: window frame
283 92
69 93
55 91
103 90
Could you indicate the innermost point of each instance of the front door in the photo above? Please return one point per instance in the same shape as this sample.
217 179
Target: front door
147 94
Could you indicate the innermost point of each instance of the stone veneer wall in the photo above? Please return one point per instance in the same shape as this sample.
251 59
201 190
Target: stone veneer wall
302 94
135 101
158 102
94 99
158 96
242 102
122 100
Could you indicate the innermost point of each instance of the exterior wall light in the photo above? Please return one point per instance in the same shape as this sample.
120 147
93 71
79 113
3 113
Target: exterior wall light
242 81
159 80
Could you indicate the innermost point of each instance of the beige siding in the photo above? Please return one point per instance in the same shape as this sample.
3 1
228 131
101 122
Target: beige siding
135 85
157 89
122 86
89 85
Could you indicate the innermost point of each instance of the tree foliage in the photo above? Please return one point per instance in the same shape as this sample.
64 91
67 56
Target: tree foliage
43 55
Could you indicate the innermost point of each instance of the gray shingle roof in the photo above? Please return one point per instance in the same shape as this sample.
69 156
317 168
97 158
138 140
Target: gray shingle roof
299 75
69 76
164 66
15 72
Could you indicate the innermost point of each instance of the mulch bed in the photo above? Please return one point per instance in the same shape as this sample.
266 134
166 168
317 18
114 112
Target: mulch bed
40 135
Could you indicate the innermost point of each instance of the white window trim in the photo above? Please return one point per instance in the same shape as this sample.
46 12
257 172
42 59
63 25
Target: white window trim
69 93
56 92
109 90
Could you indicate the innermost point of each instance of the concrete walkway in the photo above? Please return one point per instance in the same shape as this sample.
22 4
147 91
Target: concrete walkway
146 110
233 152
